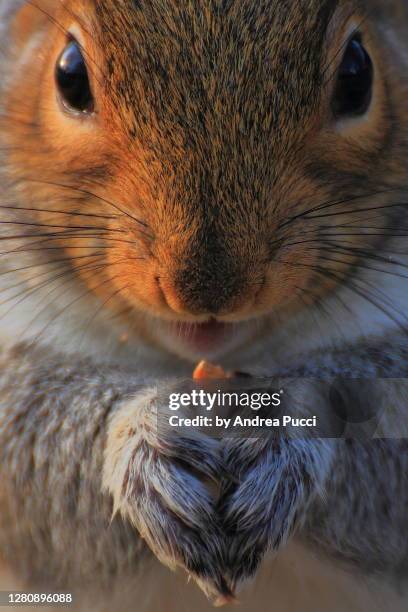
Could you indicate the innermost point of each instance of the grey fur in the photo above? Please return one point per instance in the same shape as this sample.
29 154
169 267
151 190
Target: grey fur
55 518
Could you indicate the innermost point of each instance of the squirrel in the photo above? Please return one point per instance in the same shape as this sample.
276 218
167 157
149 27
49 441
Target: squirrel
227 180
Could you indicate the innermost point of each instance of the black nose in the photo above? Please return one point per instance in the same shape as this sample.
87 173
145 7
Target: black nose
209 286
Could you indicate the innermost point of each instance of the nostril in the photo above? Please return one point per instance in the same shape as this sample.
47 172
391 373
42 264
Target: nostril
162 290
172 298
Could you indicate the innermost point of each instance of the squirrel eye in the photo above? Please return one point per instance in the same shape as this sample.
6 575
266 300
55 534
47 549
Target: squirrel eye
354 89
72 79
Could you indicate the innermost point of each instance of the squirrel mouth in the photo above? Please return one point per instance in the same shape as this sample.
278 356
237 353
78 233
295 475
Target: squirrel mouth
211 339
205 336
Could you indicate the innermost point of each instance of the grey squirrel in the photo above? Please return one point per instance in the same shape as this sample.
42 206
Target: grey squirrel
226 179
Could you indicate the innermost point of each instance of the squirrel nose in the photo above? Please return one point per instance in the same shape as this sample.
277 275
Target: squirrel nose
201 292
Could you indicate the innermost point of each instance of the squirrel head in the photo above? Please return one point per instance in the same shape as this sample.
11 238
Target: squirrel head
204 161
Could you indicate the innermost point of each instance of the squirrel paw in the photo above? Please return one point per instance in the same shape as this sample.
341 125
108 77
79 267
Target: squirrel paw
212 507
277 481
161 481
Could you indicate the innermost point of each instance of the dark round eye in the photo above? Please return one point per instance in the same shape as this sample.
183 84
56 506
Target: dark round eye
354 87
72 79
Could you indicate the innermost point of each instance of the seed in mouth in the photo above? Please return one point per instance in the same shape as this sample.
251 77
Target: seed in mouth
209 371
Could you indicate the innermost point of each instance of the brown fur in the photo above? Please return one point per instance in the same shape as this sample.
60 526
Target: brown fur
197 170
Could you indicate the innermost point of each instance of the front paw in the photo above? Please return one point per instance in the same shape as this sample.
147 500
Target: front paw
277 481
162 482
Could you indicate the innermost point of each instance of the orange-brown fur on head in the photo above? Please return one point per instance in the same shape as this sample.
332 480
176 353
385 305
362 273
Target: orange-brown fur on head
212 137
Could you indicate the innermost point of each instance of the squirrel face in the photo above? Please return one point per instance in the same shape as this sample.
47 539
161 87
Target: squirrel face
209 155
